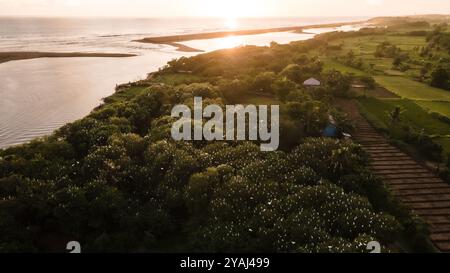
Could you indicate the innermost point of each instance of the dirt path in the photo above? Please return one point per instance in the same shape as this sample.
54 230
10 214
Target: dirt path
421 190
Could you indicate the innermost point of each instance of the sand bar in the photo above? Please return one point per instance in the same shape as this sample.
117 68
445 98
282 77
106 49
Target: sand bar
174 40
14 56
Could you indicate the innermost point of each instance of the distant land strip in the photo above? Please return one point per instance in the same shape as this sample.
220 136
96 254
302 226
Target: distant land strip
181 47
14 56
174 40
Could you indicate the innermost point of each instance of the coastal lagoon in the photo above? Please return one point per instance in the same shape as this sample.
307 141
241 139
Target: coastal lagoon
38 96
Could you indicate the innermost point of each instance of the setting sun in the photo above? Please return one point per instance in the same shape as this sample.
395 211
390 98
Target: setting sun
231 23
231 41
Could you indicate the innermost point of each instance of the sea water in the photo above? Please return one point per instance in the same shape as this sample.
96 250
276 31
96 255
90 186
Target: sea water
40 95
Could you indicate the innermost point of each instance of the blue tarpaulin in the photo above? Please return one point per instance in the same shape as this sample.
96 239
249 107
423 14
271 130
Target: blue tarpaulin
330 131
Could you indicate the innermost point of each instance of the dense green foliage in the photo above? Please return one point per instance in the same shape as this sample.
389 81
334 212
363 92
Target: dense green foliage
116 181
386 50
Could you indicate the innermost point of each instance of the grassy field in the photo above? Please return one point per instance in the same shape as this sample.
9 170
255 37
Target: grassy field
416 98
178 78
413 114
330 64
434 99
445 143
364 48
407 88
366 45
125 95
440 107
401 83
419 98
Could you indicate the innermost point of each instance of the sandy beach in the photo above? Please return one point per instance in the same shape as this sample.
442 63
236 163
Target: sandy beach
14 56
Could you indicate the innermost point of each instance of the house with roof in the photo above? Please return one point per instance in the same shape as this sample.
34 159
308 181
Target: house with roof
312 82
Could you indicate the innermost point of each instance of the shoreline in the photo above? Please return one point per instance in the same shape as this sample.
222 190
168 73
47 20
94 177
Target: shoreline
175 40
12 56
27 55
183 48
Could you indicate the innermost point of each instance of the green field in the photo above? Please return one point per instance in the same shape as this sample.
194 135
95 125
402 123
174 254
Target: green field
398 82
367 45
178 78
410 89
445 143
376 110
364 48
127 95
413 114
440 107
330 64
416 98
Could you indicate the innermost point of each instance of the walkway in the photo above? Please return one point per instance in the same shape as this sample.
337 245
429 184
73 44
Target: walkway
417 187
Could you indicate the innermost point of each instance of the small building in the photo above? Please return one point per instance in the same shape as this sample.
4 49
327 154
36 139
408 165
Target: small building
311 82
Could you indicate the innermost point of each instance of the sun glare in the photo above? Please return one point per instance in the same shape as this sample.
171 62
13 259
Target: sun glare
231 23
231 42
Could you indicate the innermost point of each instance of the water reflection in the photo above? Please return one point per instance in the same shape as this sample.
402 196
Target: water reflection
231 42
259 40
38 96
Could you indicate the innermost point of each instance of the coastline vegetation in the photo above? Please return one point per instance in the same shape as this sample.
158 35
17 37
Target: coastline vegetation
116 181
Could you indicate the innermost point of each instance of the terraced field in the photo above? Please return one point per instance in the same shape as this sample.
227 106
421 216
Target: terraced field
364 47
421 190
330 64
413 114
407 88
440 107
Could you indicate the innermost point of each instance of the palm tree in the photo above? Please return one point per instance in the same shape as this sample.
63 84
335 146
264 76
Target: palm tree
395 115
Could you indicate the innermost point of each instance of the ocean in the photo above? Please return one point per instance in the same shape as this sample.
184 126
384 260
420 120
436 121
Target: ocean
40 95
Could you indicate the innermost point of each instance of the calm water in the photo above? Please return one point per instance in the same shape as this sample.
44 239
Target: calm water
38 96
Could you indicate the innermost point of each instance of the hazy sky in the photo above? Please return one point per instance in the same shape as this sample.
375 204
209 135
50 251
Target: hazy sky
221 8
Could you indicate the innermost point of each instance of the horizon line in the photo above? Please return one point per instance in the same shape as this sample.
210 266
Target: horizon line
213 17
